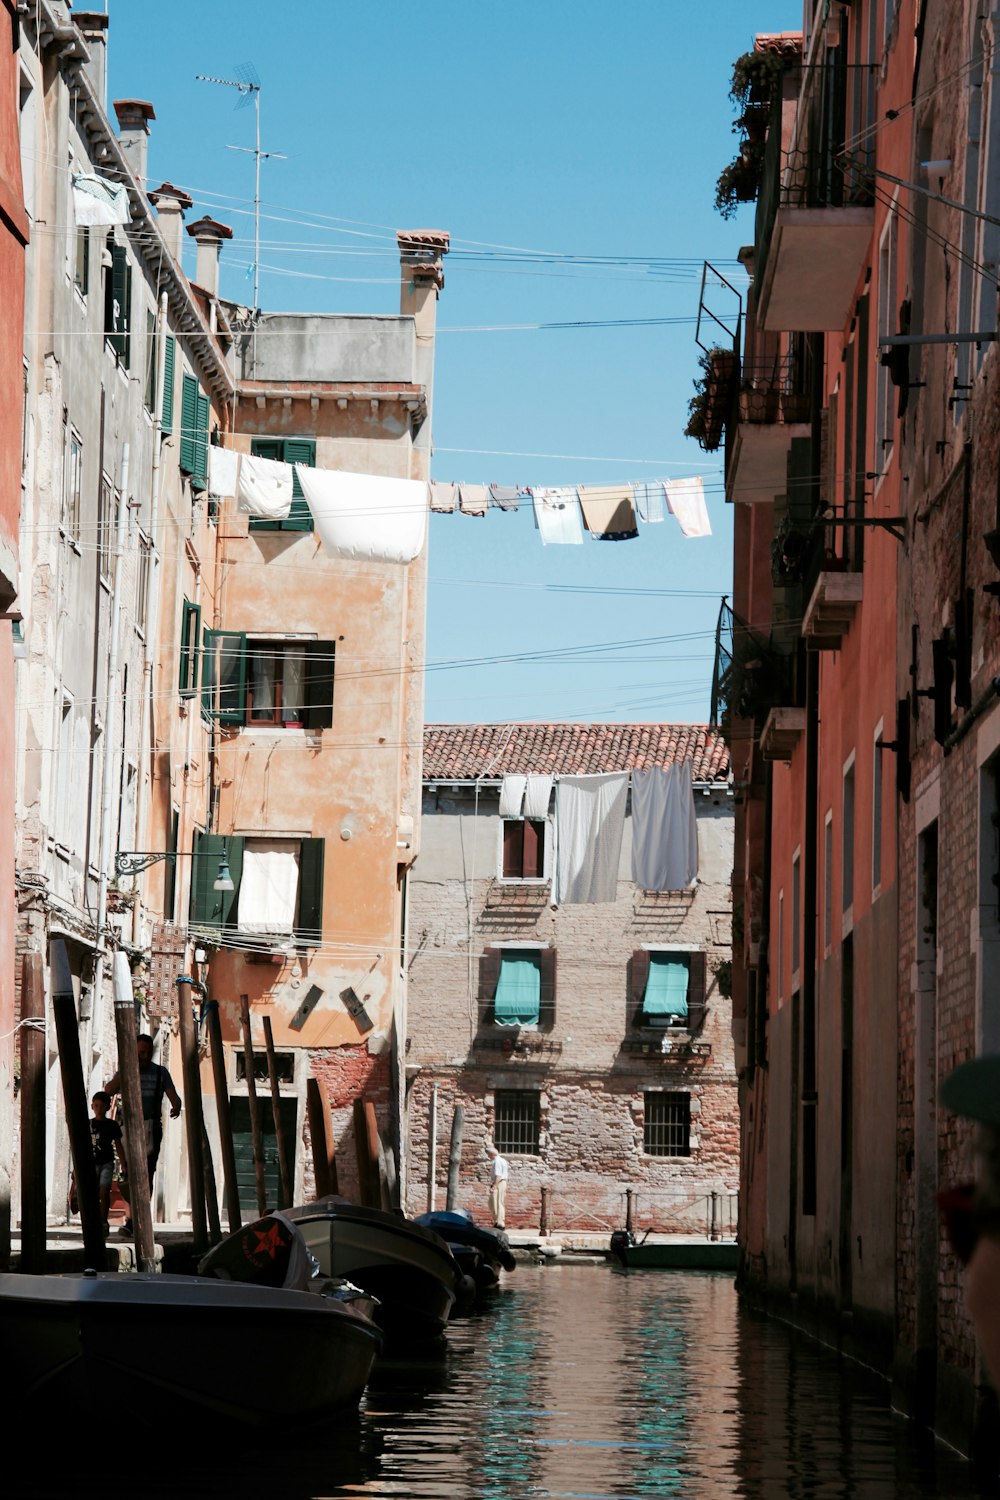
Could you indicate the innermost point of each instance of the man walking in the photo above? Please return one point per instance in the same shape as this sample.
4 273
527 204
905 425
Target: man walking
499 1173
155 1082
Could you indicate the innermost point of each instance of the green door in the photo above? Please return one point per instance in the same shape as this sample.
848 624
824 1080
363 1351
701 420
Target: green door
246 1179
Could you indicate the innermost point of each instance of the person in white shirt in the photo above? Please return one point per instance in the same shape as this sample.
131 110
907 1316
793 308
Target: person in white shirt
499 1173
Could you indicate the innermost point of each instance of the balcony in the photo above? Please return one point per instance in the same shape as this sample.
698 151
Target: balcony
815 214
782 731
831 608
774 409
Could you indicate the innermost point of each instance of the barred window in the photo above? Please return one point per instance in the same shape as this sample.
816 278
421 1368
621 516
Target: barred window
517 1114
667 1125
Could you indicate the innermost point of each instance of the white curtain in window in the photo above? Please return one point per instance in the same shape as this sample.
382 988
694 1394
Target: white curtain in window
291 685
261 679
269 886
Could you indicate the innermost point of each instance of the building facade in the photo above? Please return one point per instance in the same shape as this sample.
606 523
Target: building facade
553 1027
856 683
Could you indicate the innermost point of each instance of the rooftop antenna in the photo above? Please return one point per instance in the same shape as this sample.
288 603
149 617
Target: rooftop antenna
247 85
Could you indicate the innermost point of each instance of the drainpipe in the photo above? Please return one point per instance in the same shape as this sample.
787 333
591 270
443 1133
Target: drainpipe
147 719
110 734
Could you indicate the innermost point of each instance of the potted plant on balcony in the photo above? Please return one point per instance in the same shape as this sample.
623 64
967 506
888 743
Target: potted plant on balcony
709 406
740 180
756 76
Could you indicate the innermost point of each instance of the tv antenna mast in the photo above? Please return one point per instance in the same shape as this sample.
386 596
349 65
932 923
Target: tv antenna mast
247 85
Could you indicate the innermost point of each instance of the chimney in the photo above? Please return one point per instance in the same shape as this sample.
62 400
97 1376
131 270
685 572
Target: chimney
421 252
171 204
133 132
208 235
93 27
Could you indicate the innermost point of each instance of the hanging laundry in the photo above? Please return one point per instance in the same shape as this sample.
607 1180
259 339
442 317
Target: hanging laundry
265 488
608 512
557 516
504 496
512 789
444 497
98 201
650 501
473 499
537 794
590 821
664 828
223 472
366 516
686 499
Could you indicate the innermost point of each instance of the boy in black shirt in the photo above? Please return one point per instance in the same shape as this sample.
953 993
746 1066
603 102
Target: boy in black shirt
106 1138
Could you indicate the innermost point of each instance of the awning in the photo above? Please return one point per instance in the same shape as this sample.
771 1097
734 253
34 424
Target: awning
666 987
519 990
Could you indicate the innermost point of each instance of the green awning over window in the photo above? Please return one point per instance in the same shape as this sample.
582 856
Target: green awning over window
666 987
519 990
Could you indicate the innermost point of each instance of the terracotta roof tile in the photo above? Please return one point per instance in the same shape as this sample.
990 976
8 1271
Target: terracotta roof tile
466 752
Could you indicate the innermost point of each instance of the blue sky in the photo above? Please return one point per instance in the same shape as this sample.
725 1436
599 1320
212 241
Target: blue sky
573 129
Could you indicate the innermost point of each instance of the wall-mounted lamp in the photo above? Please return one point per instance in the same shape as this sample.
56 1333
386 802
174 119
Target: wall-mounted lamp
133 861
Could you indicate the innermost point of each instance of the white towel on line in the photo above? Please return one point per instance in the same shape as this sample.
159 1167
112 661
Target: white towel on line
557 516
265 488
686 499
590 821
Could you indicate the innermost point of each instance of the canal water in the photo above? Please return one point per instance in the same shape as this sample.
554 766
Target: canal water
578 1383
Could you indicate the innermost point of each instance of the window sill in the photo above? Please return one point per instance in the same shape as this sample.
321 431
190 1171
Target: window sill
519 880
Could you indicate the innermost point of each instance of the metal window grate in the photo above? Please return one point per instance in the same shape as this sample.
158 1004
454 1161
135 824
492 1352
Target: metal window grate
516 1121
667 1125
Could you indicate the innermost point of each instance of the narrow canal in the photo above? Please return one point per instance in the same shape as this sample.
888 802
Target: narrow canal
586 1382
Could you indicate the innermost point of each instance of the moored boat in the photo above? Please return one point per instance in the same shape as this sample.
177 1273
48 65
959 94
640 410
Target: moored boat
491 1252
673 1255
408 1268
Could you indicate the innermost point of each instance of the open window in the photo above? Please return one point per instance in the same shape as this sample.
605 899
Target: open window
667 988
261 681
277 890
523 848
517 987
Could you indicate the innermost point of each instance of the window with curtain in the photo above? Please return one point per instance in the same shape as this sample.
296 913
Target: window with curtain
667 987
275 683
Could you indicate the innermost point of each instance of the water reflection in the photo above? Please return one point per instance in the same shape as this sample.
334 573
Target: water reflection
580 1383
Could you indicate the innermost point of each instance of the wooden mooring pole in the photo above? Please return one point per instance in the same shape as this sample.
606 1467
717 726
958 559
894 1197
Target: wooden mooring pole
223 1112
321 1134
256 1128
284 1177
76 1102
455 1157
33 1215
193 1117
140 1209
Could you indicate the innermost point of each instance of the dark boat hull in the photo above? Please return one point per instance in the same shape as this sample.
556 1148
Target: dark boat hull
410 1270
149 1344
492 1252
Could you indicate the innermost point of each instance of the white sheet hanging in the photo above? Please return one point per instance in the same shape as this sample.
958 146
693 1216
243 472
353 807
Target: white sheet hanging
664 828
265 488
269 887
223 472
98 201
590 820
365 516
686 499
512 790
537 793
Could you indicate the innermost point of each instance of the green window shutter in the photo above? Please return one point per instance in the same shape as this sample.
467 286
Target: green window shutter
547 999
189 423
224 676
209 907
299 451
489 978
167 416
266 448
310 921
666 987
518 998
190 638
199 474
696 990
318 713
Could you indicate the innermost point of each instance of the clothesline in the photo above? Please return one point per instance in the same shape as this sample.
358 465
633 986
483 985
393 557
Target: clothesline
609 512
371 517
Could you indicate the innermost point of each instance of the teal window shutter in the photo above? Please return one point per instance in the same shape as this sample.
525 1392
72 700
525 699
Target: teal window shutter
519 990
299 451
309 927
209 907
288 451
318 685
199 474
190 636
666 987
189 424
224 676
167 416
